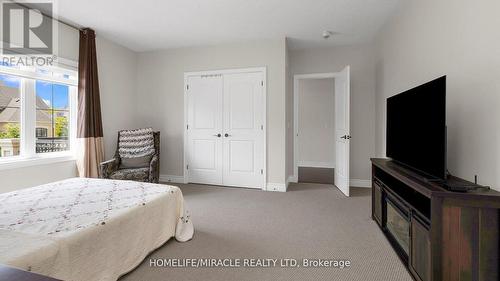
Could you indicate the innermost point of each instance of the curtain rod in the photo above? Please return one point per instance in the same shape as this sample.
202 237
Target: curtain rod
51 17
67 24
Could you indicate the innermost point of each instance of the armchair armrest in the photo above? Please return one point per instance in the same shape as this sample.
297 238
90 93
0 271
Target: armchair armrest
154 169
108 167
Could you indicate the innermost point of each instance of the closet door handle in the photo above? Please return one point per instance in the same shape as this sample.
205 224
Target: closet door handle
218 135
227 135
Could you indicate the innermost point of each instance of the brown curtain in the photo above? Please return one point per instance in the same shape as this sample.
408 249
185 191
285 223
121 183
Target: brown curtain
89 135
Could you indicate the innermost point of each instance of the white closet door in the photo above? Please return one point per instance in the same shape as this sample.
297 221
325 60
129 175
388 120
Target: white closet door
204 124
243 148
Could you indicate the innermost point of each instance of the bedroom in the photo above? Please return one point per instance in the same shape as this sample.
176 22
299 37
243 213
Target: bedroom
155 68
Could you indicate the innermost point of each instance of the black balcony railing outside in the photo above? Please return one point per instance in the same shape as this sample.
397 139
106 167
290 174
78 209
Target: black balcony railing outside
44 145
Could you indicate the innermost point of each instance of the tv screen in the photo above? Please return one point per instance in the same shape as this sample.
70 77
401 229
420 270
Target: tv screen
416 128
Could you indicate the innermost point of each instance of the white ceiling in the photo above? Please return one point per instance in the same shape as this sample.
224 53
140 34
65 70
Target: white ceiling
160 24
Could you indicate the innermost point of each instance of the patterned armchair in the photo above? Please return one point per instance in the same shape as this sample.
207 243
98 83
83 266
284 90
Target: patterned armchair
114 168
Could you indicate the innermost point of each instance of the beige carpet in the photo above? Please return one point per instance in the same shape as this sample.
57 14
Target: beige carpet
309 221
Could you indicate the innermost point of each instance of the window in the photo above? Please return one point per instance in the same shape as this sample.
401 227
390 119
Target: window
37 111
10 115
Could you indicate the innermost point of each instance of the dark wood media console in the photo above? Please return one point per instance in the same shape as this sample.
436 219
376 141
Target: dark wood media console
438 234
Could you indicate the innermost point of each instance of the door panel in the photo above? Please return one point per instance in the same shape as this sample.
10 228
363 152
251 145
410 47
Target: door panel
205 107
241 105
342 130
245 155
204 153
243 123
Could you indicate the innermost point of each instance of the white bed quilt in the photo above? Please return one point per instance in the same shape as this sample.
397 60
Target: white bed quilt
89 229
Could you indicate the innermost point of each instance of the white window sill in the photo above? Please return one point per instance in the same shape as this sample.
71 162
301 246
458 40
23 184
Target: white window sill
20 162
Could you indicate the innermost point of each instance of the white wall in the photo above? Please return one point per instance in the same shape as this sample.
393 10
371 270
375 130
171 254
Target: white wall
117 67
68 42
426 39
160 95
13 179
316 122
361 59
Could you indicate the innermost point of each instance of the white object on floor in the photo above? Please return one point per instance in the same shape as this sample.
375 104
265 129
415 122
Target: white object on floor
185 230
89 229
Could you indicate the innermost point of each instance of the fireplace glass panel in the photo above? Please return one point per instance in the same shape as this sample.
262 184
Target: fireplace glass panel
399 227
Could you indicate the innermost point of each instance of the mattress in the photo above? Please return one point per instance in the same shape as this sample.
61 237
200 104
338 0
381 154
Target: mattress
89 229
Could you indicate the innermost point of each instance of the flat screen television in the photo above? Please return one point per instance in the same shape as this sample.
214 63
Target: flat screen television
416 128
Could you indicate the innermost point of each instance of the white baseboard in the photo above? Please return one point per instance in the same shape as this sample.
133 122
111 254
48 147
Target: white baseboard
279 187
172 179
316 164
292 178
360 183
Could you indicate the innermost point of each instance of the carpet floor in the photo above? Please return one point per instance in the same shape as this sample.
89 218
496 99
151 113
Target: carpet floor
310 221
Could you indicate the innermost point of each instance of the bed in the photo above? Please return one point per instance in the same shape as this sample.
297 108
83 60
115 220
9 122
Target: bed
89 229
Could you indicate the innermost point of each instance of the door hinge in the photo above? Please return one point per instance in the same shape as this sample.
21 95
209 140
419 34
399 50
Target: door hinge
261 171
262 127
187 167
262 83
187 87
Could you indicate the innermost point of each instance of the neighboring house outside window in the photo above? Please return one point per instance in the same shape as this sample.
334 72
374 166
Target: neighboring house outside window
49 125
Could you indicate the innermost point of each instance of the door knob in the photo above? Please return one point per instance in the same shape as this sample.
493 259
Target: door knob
218 135
227 135
344 137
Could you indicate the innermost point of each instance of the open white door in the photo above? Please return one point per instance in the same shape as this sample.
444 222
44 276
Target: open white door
342 129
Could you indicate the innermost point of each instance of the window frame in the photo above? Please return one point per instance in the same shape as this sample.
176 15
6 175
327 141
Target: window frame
28 77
